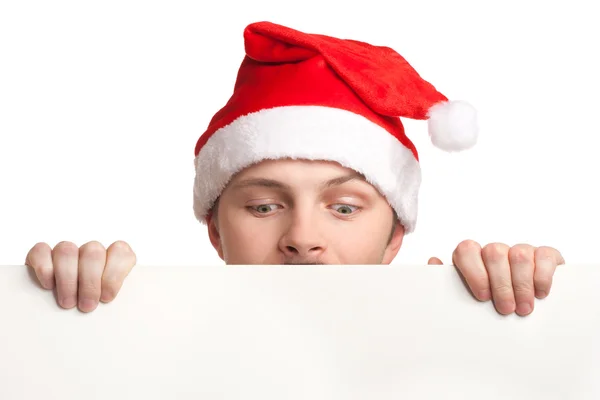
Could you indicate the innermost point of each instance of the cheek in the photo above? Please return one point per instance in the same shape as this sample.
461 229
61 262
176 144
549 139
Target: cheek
360 244
248 242
359 249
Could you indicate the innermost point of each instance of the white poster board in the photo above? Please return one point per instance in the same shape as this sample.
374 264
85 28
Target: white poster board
319 332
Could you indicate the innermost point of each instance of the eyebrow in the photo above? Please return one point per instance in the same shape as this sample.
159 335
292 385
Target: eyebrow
275 184
342 179
261 182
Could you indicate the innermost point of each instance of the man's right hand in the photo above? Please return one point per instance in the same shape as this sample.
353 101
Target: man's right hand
82 276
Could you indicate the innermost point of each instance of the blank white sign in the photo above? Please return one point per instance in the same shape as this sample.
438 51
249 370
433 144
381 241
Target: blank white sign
317 332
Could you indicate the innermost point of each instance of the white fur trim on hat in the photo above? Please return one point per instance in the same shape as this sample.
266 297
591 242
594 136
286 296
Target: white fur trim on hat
311 133
453 125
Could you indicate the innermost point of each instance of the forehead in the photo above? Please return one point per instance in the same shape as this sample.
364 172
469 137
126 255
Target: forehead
287 168
301 177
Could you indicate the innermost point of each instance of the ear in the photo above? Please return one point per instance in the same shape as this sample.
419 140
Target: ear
214 235
393 247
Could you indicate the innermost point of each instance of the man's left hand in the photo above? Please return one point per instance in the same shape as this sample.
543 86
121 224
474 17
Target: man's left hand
511 276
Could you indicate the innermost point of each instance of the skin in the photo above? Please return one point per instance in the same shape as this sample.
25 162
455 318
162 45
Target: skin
302 212
305 213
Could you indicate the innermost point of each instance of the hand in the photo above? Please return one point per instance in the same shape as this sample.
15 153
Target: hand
511 276
82 276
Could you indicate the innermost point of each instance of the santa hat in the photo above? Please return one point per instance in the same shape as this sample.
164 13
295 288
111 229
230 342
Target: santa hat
316 97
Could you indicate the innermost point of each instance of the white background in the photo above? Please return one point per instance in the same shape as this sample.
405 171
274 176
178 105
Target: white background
101 104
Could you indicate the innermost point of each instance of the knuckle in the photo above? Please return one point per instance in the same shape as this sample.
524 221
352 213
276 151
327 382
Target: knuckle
93 250
110 282
40 248
520 253
68 249
495 251
68 286
503 288
477 280
545 253
481 282
38 255
467 246
121 247
523 288
89 287
44 272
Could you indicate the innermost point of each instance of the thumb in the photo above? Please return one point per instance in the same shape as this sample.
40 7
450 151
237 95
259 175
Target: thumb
434 261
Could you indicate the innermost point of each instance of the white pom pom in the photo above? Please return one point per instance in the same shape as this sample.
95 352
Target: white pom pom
453 125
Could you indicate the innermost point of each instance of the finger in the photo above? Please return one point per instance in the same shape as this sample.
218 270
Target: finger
467 258
434 261
92 258
40 259
522 267
120 260
495 257
546 261
64 259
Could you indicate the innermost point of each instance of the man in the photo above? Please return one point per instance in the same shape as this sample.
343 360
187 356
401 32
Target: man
308 163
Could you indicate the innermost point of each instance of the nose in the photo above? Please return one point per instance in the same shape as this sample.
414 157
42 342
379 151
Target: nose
302 241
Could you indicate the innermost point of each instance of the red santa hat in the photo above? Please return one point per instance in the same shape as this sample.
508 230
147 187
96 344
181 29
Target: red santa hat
316 97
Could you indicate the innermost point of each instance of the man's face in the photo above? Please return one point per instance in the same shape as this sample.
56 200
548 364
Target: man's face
303 212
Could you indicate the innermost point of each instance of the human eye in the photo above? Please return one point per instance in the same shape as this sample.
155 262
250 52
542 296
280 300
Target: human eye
264 208
345 209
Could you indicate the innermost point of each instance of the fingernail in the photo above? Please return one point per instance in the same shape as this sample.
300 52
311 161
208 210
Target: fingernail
106 296
68 302
483 294
540 294
523 308
48 283
86 304
506 307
